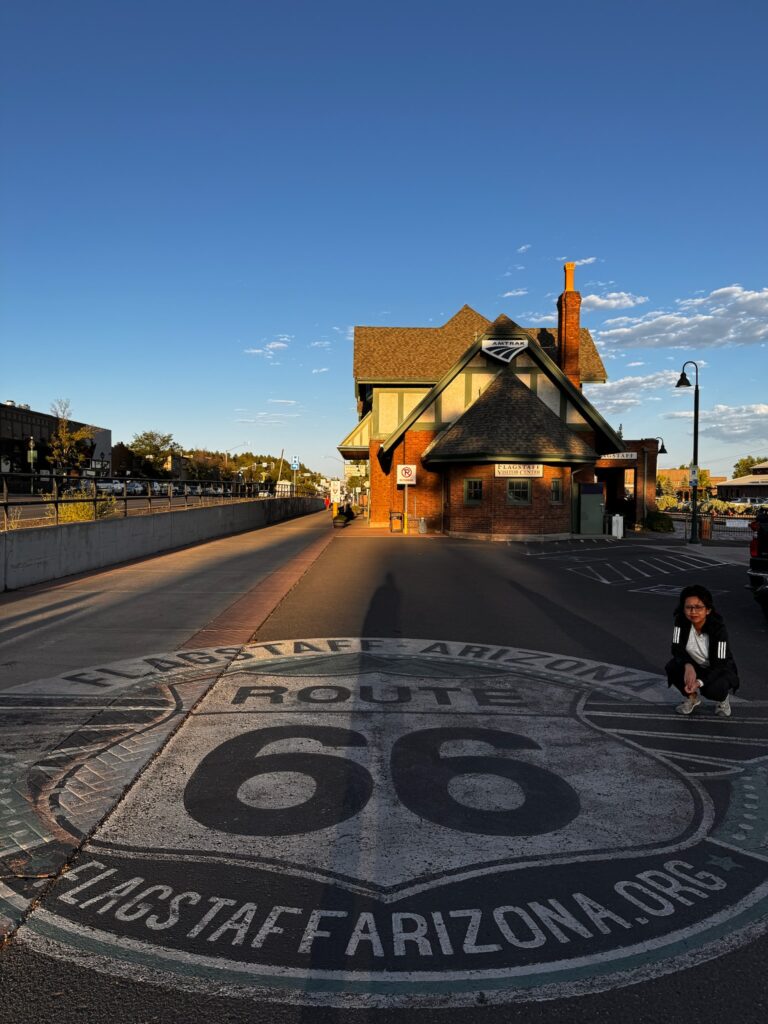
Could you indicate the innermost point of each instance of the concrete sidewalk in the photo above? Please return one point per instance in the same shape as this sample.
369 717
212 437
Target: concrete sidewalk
214 593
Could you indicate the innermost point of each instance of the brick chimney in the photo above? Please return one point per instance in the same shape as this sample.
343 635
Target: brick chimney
569 328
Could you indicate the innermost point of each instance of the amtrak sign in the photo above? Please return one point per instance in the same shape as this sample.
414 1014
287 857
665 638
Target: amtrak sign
504 349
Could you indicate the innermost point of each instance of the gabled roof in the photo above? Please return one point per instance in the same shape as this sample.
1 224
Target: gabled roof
503 327
508 423
416 354
419 355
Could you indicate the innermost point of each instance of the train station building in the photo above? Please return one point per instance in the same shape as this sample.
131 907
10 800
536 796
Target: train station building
483 428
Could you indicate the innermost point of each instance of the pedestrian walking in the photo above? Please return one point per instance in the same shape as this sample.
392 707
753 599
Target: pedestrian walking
702 664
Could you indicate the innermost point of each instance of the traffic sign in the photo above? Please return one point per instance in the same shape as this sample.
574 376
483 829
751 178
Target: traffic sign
406 475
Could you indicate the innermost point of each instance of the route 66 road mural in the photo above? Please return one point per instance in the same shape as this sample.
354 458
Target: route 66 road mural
385 822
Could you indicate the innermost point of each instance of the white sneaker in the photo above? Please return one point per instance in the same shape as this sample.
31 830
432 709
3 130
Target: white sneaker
723 709
688 706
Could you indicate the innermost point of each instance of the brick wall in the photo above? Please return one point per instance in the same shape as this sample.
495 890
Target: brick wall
424 499
496 517
493 518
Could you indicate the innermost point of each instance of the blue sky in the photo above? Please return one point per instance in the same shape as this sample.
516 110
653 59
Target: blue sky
200 198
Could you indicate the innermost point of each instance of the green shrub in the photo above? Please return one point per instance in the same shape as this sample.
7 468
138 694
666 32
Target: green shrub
659 522
82 510
666 501
719 508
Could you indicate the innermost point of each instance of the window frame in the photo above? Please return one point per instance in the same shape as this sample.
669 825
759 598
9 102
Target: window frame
472 501
517 481
556 483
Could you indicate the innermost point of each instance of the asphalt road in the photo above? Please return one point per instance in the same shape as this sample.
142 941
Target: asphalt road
465 602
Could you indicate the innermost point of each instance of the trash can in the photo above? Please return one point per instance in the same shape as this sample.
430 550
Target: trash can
617 526
422 525
395 522
705 528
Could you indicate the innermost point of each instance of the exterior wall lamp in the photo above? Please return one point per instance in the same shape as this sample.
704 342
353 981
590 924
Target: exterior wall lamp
693 478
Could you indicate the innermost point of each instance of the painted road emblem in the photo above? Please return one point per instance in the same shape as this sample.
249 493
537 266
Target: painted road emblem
379 822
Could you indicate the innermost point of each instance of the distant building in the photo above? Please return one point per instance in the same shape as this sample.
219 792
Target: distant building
745 487
23 430
490 421
678 478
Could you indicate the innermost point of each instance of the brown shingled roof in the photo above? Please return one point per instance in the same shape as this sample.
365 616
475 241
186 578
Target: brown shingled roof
415 353
509 423
424 354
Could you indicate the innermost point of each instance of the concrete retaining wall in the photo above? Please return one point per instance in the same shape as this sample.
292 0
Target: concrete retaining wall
50 552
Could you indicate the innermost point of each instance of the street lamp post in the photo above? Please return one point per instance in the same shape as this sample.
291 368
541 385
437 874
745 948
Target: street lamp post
693 478
31 459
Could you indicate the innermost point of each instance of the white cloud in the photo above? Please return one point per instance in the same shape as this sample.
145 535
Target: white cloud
635 364
516 266
537 318
747 424
514 293
628 392
320 344
323 369
270 348
727 316
523 248
281 401
613 300
579 263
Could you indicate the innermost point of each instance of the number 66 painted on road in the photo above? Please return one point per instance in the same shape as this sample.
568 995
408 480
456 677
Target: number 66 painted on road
420 775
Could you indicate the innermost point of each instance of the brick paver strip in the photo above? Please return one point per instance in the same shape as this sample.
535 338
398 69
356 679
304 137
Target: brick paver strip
238 623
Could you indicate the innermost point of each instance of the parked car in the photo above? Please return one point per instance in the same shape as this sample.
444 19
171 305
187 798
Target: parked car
135 487
757 573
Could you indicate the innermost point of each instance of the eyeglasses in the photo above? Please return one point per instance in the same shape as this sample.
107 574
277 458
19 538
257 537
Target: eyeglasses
695 607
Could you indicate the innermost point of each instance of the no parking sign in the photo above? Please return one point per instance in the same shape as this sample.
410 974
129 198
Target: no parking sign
406 475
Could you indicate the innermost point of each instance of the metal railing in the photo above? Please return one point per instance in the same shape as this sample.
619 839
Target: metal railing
29 500
716 528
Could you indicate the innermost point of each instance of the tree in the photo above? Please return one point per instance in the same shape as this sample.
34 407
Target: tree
155 447
69 449
664 486
744 466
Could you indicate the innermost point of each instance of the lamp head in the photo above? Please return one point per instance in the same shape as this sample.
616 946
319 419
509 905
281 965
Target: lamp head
662 449
683 382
